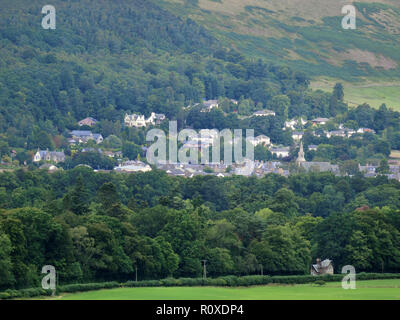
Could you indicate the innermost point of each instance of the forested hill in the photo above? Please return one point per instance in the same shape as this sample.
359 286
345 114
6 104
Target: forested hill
106 58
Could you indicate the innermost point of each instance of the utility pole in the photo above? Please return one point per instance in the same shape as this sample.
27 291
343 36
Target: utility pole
204 269
136 272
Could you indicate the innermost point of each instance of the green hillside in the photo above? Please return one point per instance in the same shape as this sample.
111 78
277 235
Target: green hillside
306 34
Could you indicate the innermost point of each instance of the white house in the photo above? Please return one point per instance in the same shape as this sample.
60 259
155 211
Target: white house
264 113
282 152
337 133
291 124
297 135
319 121
133 166
139 121
135 120
365 130
262 139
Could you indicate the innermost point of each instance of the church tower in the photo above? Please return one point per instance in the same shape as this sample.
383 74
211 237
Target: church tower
300 156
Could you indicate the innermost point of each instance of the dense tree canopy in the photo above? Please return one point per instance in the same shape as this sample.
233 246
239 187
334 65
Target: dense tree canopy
105 226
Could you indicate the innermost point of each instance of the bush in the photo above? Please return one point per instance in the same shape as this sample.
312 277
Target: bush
320 282
192 282
217 282
170 282
88 286
231 281
4 295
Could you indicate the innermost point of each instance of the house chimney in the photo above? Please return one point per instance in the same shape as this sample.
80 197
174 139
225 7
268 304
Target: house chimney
318 261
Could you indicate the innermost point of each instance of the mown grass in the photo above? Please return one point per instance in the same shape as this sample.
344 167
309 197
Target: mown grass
372 93
366 290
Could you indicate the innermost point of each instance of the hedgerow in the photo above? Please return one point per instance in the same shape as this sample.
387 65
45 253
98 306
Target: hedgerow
226 281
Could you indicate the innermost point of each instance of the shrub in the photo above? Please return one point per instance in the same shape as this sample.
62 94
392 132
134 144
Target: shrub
320 282
218 282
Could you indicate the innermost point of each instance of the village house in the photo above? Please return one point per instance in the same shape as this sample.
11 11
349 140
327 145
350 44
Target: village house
317 166
294 123
139 121
322 267
246 169
344 133
290 124
337 133
178 172
87 122
156 118
92 150
262 168
111 154
319 121
264 113
50 156
312 147
367 169
135 120
209 105
366 130
281 152
133 166
260 140
350 132
297 135
83 136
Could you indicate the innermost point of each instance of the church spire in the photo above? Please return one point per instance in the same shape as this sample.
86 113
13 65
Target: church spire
300 156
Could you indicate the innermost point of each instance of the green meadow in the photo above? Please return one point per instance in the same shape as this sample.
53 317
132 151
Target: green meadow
372 93
374 96
365 290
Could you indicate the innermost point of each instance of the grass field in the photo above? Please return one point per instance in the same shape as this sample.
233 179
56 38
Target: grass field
372 93
366 290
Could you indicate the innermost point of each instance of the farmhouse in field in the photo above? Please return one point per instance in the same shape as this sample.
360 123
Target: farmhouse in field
322 267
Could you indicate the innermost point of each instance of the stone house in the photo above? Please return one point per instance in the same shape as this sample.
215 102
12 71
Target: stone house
322 267
50 156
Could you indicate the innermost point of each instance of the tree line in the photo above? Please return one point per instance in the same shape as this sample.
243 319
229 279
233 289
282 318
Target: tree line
106 227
